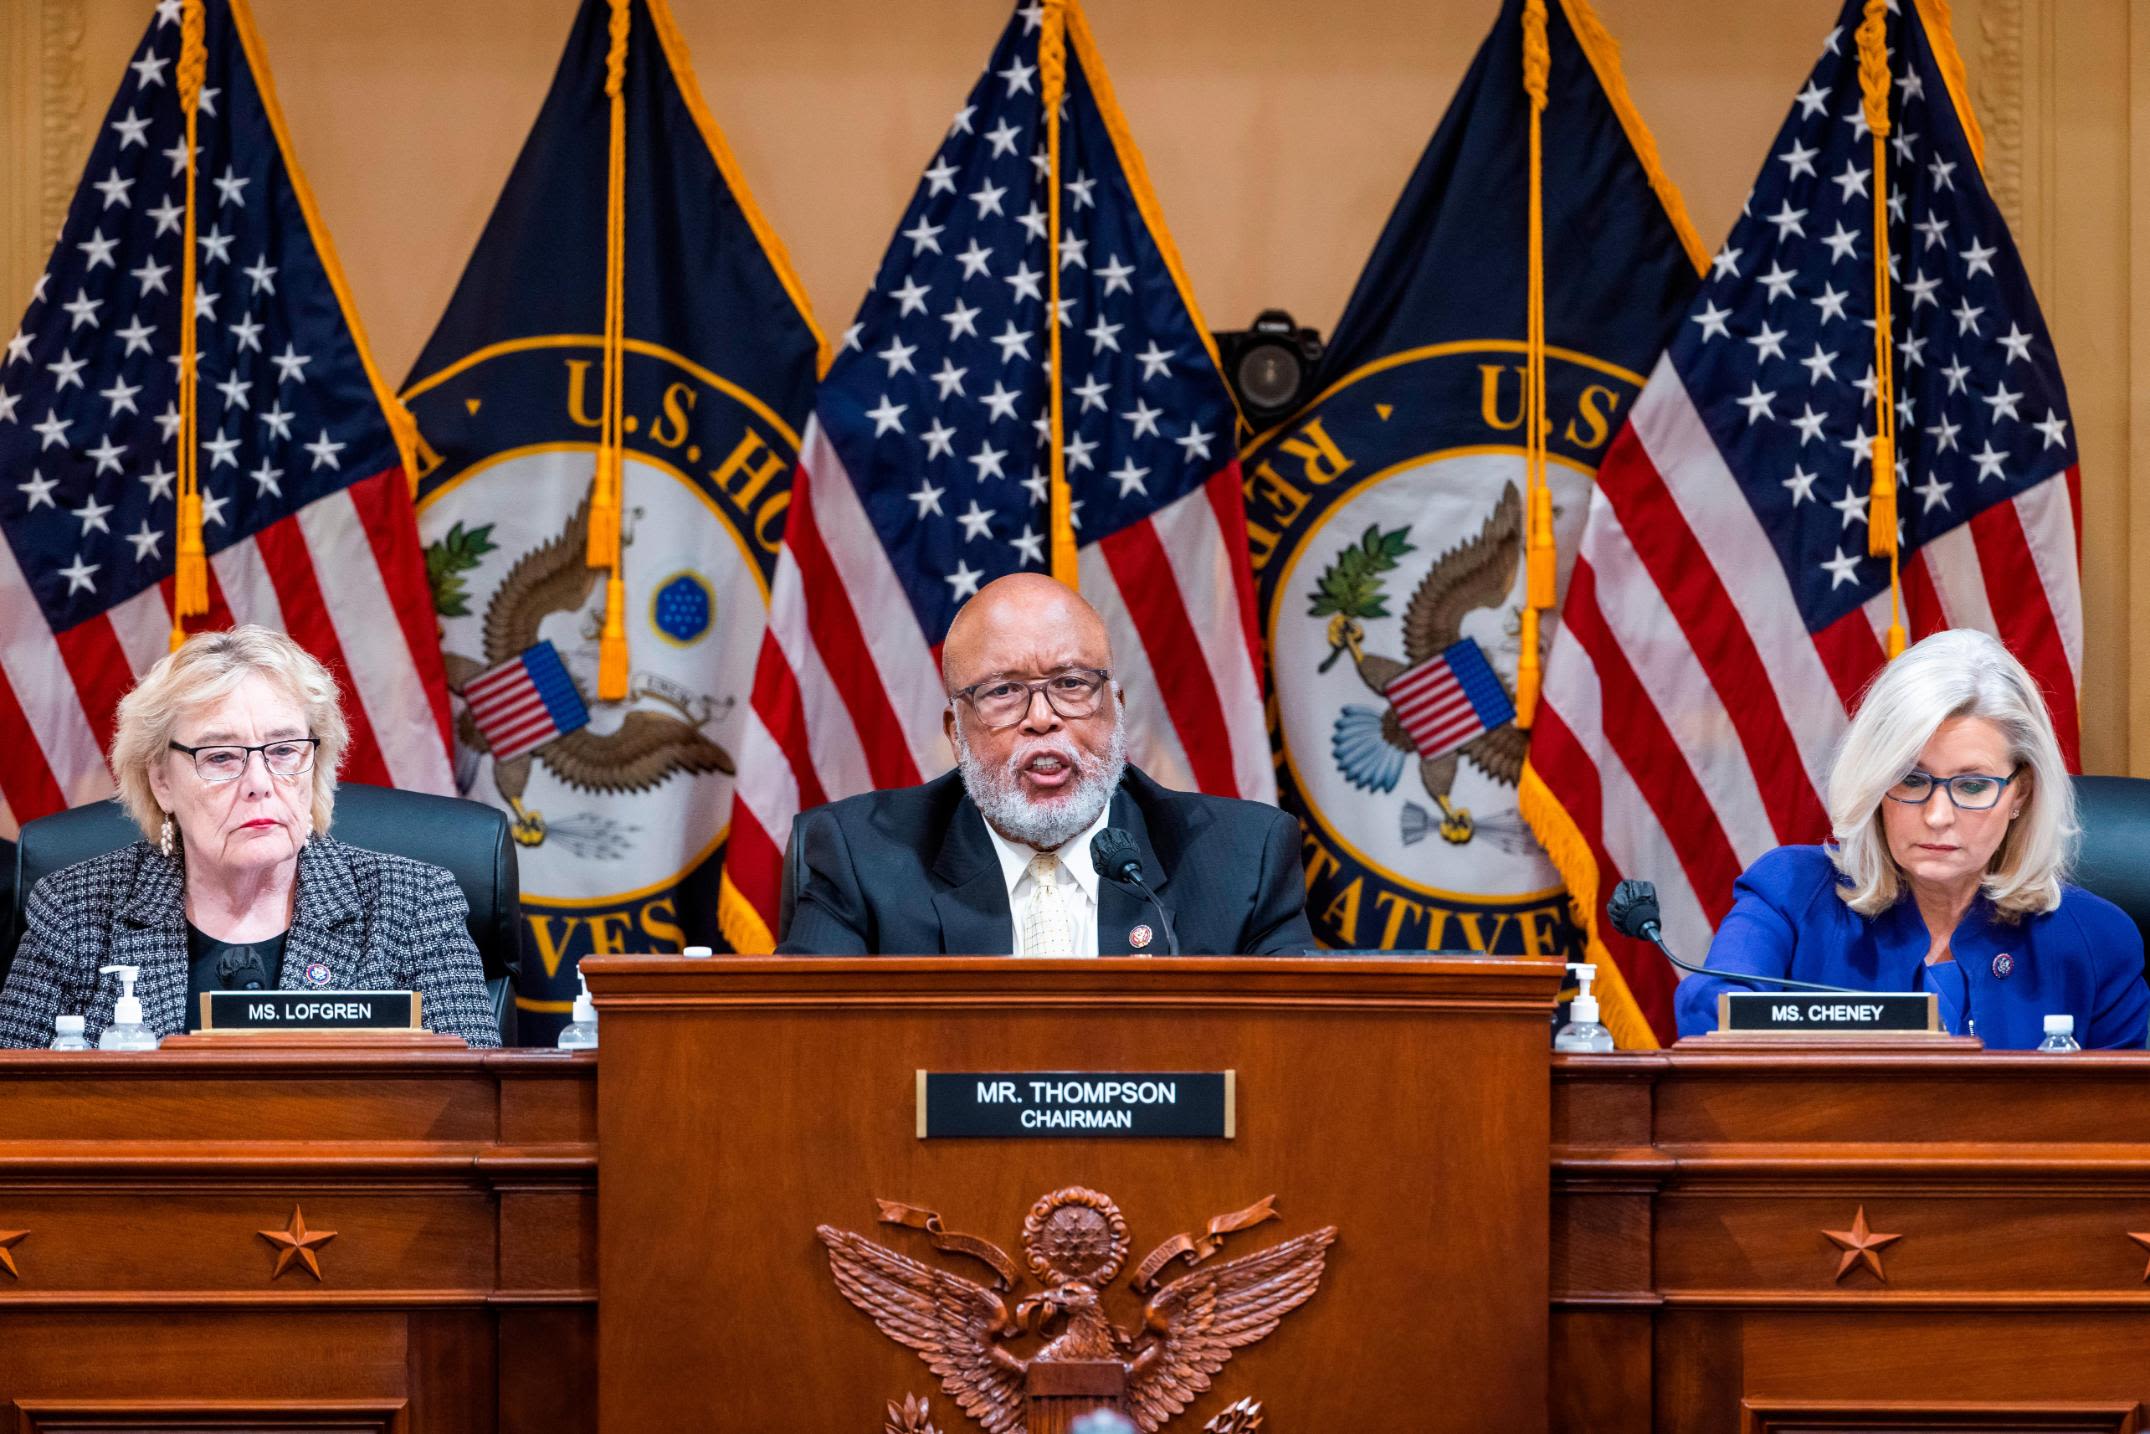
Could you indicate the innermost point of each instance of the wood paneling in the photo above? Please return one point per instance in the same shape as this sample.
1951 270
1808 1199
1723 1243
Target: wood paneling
746 1102
460 1187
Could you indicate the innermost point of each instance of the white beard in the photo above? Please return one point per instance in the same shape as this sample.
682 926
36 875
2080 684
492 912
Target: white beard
1051 824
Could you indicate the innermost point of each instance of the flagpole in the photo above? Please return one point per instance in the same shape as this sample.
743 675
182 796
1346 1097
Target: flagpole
190 565
1052 84
1882 498
1540 565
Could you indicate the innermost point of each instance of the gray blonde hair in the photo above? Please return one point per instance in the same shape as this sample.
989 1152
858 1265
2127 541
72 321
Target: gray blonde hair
209 667
1958 673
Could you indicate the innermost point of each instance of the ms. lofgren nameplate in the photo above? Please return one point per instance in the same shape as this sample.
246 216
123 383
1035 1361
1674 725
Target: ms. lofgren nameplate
1186 1105
256 1012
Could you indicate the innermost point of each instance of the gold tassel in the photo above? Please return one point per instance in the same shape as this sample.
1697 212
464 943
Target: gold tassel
608 485
1540 555
190 561
190 575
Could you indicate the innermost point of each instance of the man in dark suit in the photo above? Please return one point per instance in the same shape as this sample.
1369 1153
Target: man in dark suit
994 857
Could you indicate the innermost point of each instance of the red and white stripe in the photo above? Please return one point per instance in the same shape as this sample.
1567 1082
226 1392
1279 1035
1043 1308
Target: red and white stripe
847 690
1689 718
59 691
509 711
1433 707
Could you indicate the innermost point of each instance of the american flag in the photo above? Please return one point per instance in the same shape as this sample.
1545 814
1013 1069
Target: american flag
306 507
1724 615
1449 699
925 472
525 702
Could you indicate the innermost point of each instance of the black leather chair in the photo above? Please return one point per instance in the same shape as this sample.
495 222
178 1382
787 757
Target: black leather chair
2115 861
469 839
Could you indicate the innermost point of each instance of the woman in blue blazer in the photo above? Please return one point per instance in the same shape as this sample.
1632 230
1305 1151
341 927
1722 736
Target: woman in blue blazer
1954 822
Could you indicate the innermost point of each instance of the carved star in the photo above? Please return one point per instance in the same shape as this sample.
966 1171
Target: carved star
9 1239
2140 1239
296 1242
1860 1245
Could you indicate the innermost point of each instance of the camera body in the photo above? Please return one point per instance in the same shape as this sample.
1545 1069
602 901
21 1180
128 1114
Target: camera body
1270 366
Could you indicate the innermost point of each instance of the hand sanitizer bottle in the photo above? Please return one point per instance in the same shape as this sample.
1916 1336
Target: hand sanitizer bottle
68 1034
2060 1035
581 1034
1582 1032
126 1033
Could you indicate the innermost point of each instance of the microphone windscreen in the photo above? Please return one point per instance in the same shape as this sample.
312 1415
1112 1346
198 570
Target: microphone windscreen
1632 907
1112 852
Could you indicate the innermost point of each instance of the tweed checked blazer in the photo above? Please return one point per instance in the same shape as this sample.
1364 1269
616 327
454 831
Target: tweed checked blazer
377 922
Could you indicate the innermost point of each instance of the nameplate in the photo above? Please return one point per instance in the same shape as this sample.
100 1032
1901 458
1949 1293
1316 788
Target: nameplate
1814 1013
246 1012
1033 1105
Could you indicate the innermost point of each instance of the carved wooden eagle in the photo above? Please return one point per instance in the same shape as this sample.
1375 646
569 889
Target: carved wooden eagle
645 749
1188 1332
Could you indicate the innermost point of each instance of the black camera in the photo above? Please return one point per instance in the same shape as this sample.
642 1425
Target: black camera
1270 366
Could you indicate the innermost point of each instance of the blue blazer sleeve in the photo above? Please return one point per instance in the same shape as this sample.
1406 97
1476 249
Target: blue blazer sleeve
1770 901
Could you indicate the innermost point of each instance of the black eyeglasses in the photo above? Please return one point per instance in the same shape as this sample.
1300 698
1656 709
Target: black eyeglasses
1002 702
1971 792
288 757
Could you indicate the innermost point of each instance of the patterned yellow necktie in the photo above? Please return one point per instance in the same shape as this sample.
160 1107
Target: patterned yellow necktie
1046 926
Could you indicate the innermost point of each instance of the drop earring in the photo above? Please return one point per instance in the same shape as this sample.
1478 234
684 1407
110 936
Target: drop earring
164 836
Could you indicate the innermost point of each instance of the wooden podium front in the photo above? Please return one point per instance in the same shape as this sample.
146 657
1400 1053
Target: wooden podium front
744 1103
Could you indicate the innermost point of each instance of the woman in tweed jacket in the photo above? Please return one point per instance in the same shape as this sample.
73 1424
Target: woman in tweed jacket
226 757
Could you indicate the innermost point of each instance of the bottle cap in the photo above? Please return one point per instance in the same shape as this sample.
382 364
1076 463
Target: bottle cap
1583 1010
68 1025
2060 1025
699 952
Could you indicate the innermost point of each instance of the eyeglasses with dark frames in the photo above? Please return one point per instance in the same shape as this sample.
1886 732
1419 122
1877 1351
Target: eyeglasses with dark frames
285 757
1970 792
1072 692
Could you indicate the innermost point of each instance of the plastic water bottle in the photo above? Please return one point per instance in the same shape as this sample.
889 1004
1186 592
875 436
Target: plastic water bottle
581 1033
126 1033
1582 1032
2060 1035
69 1035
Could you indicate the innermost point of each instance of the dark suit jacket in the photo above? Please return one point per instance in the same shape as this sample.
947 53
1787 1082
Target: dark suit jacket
912 872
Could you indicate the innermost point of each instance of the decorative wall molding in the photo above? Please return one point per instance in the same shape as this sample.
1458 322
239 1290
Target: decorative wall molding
61 116
1997 93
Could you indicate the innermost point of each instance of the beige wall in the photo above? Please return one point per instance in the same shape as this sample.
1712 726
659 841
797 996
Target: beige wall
1278 132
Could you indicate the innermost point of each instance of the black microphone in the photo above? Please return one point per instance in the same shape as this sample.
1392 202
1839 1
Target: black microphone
1113 853
1633 911
240 969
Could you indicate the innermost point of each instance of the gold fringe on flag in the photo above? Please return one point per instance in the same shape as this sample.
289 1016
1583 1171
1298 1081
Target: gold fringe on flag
190 566
606 488
1882 498
1540 556
1052 82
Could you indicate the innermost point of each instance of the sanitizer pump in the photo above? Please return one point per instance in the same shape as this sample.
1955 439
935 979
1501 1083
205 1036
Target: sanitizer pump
581 1033
1582 1032
126 1033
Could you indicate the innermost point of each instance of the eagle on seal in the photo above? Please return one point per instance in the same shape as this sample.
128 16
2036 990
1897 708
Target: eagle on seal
1371 746
643 751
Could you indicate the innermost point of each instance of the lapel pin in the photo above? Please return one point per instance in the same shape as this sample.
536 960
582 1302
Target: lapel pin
1139 937
317 975
2003 964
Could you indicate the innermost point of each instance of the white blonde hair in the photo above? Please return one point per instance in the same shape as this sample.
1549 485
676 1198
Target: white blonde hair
1958 673
208 667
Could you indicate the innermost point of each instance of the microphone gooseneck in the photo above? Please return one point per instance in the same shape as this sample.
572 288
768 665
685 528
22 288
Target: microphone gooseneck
1117 859
1632 909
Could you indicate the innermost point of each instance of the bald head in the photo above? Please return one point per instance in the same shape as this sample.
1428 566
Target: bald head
1023 624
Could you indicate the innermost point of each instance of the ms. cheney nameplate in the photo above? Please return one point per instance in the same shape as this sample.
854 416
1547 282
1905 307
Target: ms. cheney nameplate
1196 1105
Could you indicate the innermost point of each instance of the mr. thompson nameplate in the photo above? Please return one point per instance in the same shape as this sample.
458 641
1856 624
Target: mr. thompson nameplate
1127 1105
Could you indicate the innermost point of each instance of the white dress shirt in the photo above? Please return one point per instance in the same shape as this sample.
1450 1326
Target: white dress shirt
1077 872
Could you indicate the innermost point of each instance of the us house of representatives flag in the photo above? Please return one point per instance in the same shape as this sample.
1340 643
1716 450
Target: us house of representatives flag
1391 520
599 626
283 475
